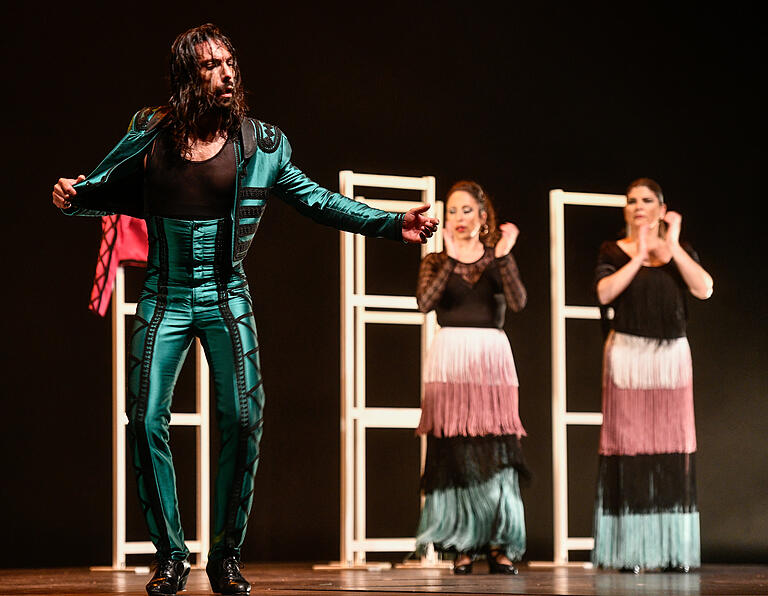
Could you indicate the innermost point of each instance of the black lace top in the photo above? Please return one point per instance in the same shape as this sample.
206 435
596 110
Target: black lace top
654 303
470 294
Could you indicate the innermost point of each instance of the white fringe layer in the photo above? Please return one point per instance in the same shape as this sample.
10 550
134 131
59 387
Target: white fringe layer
645 363
475 355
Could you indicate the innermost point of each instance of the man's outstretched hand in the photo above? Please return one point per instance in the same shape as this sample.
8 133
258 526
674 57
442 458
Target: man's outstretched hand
417 227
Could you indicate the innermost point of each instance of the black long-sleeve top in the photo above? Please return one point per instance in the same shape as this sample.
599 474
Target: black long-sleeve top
470 294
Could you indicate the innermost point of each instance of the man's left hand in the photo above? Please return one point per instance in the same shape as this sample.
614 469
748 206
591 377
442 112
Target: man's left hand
417 227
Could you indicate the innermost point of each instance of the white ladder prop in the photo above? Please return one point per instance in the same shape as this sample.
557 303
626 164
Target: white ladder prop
355 314
200 419
561 418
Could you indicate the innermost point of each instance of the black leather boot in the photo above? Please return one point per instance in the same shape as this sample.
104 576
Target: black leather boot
225 578
170 577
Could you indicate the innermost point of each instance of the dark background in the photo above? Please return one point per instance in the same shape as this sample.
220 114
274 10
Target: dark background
524 100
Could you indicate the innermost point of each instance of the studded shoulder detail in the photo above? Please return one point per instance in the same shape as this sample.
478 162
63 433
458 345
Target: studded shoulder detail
148 118
268 136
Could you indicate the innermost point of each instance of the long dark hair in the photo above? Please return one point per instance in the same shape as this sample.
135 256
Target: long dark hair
190 102
489 233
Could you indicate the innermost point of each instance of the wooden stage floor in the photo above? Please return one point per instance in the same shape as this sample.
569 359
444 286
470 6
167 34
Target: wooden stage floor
293 579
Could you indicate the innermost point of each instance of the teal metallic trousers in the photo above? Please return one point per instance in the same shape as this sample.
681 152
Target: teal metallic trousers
192 290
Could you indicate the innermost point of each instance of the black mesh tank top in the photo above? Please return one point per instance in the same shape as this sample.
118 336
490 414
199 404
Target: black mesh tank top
181 189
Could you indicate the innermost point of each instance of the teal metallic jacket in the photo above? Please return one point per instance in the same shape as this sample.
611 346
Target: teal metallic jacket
263 162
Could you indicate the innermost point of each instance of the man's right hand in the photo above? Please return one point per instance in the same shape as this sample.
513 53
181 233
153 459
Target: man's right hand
63 190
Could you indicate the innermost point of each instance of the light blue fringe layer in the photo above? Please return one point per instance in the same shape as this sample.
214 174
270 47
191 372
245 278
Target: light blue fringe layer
475 517
650 540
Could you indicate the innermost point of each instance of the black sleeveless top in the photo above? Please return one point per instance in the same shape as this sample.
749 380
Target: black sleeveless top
177 188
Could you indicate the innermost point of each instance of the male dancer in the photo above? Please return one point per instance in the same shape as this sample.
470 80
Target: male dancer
199 171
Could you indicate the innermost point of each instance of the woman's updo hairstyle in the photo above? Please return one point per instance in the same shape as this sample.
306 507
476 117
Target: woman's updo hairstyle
650 184
489 233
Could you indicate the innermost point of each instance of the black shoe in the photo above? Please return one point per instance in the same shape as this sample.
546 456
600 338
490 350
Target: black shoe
634 569
225 578
170 577
678 568
464 569
495 567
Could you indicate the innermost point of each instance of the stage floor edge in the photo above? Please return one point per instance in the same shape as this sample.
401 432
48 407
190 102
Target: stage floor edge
294 579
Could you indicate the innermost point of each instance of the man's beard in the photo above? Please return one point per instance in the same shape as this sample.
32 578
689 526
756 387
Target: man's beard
220 111
219 100
206 111
223 105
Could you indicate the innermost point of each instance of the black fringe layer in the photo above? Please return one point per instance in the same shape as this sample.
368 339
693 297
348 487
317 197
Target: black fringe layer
464 461
647 483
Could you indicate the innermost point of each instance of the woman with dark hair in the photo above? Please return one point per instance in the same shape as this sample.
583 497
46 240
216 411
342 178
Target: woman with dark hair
470 406
646 515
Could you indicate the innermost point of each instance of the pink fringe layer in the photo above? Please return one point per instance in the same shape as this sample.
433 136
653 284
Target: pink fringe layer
453 409
646 421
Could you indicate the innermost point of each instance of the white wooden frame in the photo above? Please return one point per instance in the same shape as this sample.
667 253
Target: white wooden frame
200 419
561 418
355 416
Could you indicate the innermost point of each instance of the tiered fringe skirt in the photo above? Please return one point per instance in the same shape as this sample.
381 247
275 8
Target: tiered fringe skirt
474 458
646 512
